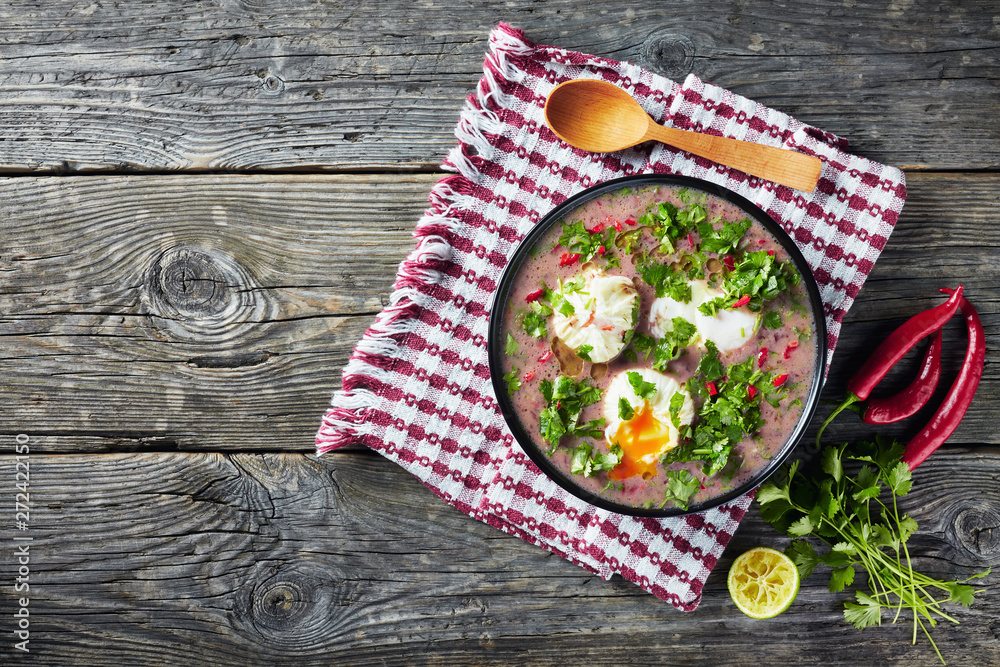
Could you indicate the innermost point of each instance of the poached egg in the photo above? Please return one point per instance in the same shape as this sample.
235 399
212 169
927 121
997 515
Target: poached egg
649 432
729 329
604 309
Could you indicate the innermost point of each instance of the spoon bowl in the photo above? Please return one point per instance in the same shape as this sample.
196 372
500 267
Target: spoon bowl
600 117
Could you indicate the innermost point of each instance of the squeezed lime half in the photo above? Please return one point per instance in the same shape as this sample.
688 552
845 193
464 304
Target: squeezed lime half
763 582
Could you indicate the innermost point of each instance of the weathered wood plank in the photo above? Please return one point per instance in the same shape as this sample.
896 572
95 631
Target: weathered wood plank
333 85
163 312
169 312
285 559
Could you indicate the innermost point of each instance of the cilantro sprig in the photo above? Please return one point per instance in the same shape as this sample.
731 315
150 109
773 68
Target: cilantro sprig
857 517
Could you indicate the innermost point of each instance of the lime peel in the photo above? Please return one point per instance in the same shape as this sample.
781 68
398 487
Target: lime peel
763 582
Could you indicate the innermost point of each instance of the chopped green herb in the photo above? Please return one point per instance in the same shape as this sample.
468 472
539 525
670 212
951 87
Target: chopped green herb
513 381
642 388
584 352
666 281
565 401
511 347
669 347
577 239
772 319
534 325
681 485
625 411
588 463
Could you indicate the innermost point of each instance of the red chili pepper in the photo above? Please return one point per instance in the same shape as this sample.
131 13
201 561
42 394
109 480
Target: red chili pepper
953 408
598 228
771 253
568 258
729 262
545 356
618 226
908 402
751 391
534 296
891 350
528 376
742 301
629 221
712 391
762 357
780 380
691 240
601 250
791 348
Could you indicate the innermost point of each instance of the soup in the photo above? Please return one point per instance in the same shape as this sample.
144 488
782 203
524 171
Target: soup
659 346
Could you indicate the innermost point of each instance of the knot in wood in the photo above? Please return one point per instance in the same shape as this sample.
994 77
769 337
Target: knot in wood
296 607
199 292
668 53
977 529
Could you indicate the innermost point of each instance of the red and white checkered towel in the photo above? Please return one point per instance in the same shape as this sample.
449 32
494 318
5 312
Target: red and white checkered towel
417 387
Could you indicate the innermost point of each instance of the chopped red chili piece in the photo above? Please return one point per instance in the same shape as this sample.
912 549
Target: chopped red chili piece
528 376
617 225
691 240
761 241
629 221
751 391
780 380
791 348
712 391
770 252
729 262
534 296
601 250
545 356
742 301
762 357
598 228
568 258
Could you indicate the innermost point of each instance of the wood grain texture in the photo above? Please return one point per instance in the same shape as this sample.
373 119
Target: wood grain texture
150 559
171 312
168 312
269 84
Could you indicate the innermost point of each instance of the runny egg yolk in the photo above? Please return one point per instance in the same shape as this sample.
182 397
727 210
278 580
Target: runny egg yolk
642 439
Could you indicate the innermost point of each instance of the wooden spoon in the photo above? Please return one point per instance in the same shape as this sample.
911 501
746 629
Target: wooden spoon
601 117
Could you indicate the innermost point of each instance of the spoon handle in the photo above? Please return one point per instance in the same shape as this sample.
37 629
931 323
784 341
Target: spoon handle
785 167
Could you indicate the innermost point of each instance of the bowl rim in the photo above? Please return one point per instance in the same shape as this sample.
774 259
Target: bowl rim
526 441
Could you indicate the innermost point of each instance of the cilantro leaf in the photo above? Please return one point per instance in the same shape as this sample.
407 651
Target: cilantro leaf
513 381
803 554
588 463
625 411
666 280
534 325
641 388
584 352
681 485
864 615
565 400
841 578
511 347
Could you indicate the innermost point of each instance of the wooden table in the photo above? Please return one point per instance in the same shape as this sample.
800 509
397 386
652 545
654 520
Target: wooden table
203 206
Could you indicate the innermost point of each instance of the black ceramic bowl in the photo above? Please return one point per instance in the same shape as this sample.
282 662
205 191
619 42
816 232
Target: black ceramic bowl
496 342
